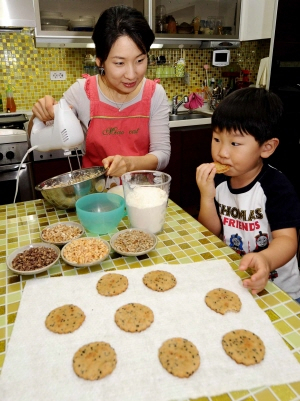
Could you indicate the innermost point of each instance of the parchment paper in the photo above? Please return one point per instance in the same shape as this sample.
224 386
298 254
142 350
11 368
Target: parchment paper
38 363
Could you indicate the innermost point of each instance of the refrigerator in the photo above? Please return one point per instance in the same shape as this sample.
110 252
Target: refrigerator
284 80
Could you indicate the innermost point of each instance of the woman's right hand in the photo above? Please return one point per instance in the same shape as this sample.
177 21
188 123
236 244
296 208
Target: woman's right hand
43 108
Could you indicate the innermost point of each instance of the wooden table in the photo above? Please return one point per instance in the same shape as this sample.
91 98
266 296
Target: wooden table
184 240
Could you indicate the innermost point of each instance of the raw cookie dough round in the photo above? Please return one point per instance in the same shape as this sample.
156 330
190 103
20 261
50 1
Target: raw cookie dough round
94 361
179 356
159 280
221 300
65 319
244 347
112 284
134 317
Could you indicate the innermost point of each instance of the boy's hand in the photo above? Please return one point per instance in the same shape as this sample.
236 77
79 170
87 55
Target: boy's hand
259 264
205 175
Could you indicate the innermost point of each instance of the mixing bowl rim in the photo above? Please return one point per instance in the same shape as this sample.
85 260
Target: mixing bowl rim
39 188
122 202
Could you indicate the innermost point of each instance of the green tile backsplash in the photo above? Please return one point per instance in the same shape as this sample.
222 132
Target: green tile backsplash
27 68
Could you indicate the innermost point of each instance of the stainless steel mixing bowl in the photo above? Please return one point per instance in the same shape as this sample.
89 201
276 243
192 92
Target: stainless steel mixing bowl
64 190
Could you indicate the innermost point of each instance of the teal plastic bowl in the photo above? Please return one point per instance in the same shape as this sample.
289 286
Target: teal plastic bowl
100 213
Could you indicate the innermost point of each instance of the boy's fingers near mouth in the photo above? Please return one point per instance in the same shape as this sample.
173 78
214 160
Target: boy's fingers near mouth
204 171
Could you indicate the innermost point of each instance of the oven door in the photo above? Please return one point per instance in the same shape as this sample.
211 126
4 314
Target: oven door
8 183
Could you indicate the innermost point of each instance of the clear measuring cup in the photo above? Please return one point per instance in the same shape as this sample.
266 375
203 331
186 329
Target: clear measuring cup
146 196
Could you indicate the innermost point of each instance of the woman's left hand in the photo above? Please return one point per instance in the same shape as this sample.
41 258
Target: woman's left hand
116 165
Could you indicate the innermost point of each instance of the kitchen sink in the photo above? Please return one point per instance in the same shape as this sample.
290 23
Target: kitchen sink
186 116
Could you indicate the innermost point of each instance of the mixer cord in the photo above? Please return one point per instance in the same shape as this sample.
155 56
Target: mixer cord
19 170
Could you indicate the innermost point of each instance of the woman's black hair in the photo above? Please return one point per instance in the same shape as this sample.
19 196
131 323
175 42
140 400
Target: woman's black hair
119 21
253 111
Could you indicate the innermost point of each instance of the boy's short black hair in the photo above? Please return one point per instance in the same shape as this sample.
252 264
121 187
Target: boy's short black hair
119 21
253 111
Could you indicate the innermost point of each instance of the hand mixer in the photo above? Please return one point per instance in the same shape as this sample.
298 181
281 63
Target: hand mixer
65 133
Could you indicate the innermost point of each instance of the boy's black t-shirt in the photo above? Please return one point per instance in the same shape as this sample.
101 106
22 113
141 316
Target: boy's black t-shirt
249 215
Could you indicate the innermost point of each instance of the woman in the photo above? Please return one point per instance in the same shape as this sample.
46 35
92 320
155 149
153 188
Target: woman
125 117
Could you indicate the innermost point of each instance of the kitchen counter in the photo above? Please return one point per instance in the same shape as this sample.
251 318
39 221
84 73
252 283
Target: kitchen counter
207 112
184 240
203 120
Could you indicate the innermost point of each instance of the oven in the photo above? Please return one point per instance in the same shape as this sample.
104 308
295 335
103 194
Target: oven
13 147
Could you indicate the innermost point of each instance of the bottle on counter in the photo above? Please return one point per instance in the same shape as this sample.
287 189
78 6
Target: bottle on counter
212 84
10 102
204 90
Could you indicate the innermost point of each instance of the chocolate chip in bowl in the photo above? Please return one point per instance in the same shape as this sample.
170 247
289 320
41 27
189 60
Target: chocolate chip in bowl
33 258
133 242
85 251
61 233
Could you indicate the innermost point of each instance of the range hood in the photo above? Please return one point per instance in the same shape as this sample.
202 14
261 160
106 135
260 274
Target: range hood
63 40
16 14
71 40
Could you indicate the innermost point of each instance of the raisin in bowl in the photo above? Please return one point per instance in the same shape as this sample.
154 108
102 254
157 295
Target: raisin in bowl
33 258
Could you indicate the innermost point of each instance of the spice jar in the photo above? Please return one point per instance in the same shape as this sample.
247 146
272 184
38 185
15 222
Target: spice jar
171 24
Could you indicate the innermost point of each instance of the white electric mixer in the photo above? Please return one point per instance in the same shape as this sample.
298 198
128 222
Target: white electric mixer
65 133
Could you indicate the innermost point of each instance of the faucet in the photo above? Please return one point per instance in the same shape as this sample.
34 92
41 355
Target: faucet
176 104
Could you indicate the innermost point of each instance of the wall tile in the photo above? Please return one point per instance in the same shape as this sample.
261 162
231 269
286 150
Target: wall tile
27 68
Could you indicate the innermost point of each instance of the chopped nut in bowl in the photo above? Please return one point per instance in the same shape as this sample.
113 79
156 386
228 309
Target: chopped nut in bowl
62 233
133 242
33 258
85 251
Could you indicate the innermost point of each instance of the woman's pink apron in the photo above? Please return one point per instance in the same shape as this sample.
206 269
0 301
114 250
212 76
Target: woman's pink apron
112 132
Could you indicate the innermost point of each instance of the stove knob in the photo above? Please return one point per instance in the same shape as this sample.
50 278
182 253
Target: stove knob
1 156
10 155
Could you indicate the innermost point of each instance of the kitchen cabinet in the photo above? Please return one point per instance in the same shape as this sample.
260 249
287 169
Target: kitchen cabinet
208 20
17 14
190 147
256 19
72 10
197 21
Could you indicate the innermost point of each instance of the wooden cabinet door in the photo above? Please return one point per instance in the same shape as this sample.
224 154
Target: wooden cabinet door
196 149
174 166
190 147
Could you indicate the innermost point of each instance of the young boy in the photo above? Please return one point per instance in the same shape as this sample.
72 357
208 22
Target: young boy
252 205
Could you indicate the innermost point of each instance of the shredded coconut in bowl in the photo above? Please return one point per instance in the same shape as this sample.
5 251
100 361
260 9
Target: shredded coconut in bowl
146 207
